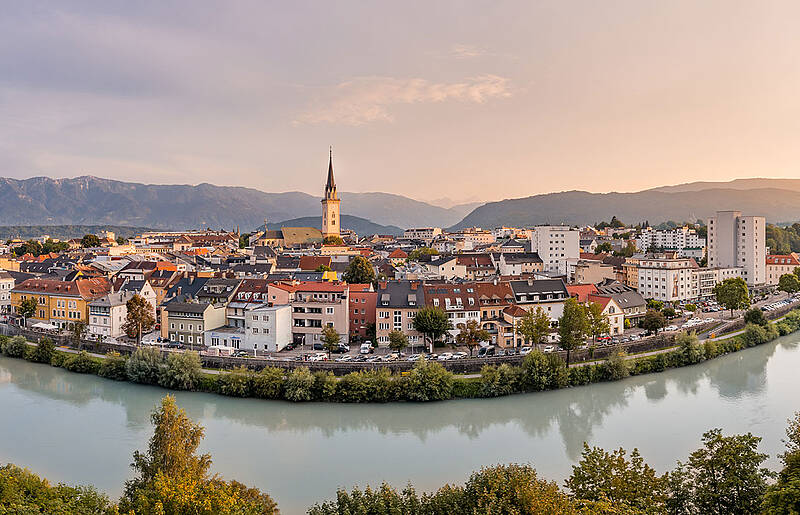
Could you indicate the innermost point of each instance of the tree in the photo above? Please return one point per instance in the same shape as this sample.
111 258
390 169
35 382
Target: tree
432 321
90 240
732 294
654 304
598 324
244 241
359 271
333 240
572 326
755 316
172 478
397 340
121 240
24 492
600 475
416 254
653 321
789 283
323 268
27 308
44 351
724 476
604 248
139 319
330 339
534 326
78 331
471 334
669 312
784 496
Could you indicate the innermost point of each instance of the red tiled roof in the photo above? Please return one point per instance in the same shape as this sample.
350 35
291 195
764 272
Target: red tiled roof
85 288
783 259
311 263
581 291
599 299
398 254
514 311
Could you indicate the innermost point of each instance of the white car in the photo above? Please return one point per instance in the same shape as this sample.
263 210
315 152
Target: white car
524 351
320 356
706 320
460 355
445 356
549 348
671 328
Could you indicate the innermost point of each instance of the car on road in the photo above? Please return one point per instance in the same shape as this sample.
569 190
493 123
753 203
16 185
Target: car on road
317 346
413 357
671 328
366 348
485 352
341 349
524 351
240 354
460 355
445 356
549 348
344 359
320 356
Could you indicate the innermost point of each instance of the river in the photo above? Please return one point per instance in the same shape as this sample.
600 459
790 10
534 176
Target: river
83 429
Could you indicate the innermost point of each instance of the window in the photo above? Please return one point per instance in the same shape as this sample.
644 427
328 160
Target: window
255 330
255 317
328 311
265 318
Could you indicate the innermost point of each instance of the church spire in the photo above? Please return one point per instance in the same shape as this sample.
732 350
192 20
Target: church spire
330 186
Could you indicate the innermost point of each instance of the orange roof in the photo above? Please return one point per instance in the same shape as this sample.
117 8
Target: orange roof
592 257
85 288
321 287
361 287
783 259
514 311
599 299
311 263
398 254
581 291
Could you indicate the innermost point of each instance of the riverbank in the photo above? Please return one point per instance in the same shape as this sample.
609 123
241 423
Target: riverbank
427 381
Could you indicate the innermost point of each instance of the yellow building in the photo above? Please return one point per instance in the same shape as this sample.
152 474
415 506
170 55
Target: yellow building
60 303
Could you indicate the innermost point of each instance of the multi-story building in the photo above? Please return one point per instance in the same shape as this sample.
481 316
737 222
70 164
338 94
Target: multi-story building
6 285
633 305
422 233
268 327
494 297
319 305
60 303
679 238
738 241
397 304
459 301
704 279
363 298
779 264
557 246
549 294
188 322
108 313
521 263
667 279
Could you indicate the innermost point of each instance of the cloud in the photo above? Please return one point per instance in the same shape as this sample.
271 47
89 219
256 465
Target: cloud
369 99
460 51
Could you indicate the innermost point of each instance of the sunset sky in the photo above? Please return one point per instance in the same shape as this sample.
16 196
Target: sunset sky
466 100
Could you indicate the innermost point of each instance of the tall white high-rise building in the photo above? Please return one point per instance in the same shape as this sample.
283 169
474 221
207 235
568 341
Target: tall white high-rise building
738 241
557 245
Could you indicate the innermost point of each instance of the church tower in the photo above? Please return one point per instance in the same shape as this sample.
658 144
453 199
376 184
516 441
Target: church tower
330 204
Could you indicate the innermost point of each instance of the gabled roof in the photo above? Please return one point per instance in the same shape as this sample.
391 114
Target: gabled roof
398 254
783 259
311 263
581 291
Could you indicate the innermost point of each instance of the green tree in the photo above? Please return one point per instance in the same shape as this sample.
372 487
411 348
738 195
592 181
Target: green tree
330 339
722 477
653 321
471 334
689 347
416 254
755 316
432 321
789 283
397 340
23 492
44 351
616 366
144 365
77 333
90 240
629 483
139 319
323 268
173 479
27 308
573 326
333 240
359 271
534 326
783 498
244 241
732 294
669 312
598 324
654 304
181 371
429 381
604 248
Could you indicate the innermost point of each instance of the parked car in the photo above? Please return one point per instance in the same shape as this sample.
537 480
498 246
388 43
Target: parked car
240 354
524 351
413 357
341 349
671 328
445 356
460 355
366 348
320 356
317 346
549 348
487 351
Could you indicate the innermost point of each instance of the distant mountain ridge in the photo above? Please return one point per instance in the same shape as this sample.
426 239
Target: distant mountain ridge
361 226
91 200
580 207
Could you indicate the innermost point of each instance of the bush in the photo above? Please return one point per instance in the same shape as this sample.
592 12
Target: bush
3 342
755 316
16 347
579 376
754 335
783 328
500 380
235 383
544 372
710 349
113 367
615 367
144 365
689 348
324 386
462 388
43 353
366 386
429 381
269 383
180 371
23 492
58 359
300 385
82 363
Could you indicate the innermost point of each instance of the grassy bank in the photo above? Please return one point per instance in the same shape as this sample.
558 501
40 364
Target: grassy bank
427 381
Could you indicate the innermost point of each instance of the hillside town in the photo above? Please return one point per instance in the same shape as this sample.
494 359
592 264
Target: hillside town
268 291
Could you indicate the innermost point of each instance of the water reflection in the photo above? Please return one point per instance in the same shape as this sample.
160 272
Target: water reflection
574 413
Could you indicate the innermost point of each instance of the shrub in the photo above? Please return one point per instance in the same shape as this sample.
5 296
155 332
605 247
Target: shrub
43 352
82 363
615 367
783 328
754 335
269 383
772 332
462 388
544 372
3 341
429 381
689 348
579 376
144 365
58 359
755 316
710 349
235 383
500 380
324 386
16 347
180 371
366 386
113 367
300 385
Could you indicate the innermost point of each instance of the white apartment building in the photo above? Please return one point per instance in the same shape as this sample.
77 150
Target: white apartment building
738 241
6 285
422 233
268 327
107 314
777 265
667 279
557 245
706 278
676 239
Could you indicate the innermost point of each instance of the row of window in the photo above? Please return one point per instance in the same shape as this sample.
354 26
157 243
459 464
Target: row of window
189 327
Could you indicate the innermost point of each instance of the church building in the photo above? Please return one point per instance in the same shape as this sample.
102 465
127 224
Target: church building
330 204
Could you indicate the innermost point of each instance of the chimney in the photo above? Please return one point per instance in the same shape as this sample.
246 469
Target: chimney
180 289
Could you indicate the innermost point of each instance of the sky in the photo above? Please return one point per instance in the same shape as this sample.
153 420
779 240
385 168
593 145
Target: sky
466 101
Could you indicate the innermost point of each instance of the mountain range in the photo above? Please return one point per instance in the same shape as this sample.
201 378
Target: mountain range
92 200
